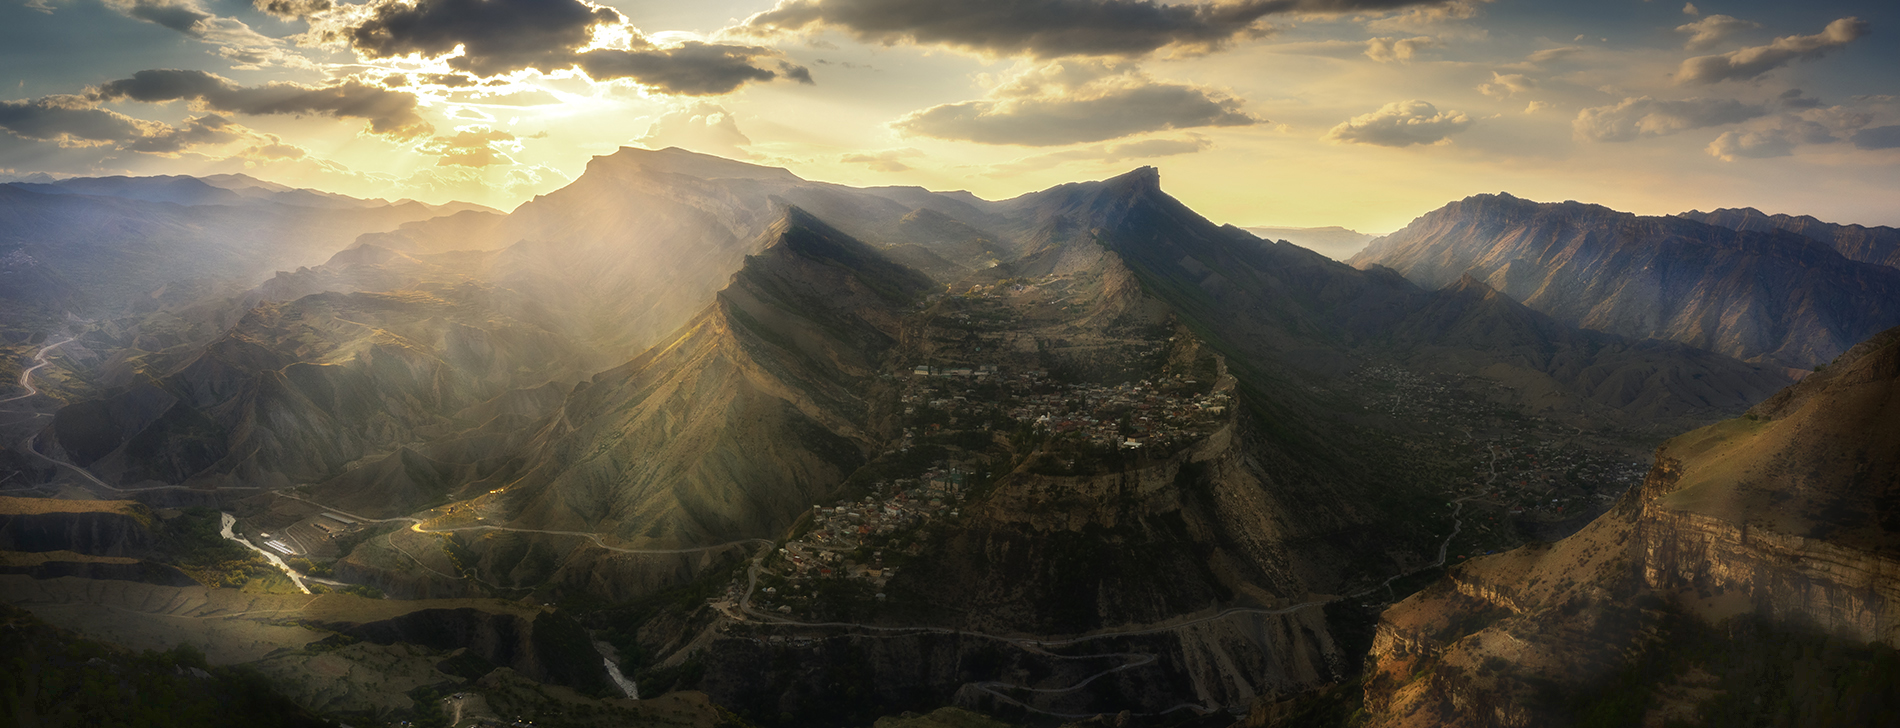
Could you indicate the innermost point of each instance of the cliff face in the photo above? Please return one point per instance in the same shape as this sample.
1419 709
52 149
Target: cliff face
1879 245
1786 516
97 528
547 646
1769 296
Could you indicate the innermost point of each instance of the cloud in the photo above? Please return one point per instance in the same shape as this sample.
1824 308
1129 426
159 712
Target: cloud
885 161
1049 28
1711 31
77 121
1387 50
290 9
1506 85
184 16
1431 17
1553 54
1690 9
1643 116
1792 99
1400 124
701 127
1069 102
1107 153
198 131
1878 137
71 120
1753 61
1778 140
492 37
471 147
390 113
496 36
692 68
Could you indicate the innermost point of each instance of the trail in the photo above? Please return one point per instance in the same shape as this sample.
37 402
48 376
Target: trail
26 381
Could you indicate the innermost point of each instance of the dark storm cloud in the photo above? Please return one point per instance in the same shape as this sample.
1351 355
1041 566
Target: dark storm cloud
388 112
497 36
1093 115
691 69
1050 28
503 36
1752 62
180 16
68 118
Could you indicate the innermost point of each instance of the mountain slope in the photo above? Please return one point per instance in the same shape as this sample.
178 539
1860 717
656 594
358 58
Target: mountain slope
1780 526
1771 297
1879 245
94 256
750 413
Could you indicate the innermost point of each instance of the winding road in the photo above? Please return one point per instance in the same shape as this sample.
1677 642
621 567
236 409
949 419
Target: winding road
26 381
1132 660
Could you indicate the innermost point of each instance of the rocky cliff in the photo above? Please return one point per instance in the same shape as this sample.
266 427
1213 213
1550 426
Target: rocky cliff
1879 245
1782 518
97 528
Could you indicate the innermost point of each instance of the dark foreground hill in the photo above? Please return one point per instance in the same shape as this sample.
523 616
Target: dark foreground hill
1749 576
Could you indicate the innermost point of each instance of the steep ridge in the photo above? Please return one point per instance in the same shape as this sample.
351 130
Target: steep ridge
610 247
297 391
1333 242
1257 511
1879 245
1778 527
1577 373
1290 319
1772 297
729 431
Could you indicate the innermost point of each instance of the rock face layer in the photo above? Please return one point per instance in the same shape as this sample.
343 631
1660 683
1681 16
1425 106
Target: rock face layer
1766 296
1880 245
1786 516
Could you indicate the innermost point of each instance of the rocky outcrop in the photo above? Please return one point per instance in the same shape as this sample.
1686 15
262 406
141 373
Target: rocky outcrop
1785 516
1879 245
56 564
97 528
547 646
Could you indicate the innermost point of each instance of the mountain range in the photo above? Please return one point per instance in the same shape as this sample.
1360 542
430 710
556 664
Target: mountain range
759 432
1761 295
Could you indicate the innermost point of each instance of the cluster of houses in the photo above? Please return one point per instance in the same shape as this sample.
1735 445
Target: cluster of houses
1130 416
1553 479
841 529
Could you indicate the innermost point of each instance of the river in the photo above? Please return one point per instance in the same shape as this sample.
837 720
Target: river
230 521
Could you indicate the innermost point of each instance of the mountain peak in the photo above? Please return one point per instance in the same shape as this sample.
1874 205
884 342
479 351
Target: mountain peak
1142 179
674 160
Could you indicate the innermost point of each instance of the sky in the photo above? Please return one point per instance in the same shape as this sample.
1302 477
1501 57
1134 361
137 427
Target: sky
1358 113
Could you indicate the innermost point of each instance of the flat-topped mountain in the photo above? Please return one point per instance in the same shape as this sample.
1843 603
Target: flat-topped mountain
1878 244
1774 297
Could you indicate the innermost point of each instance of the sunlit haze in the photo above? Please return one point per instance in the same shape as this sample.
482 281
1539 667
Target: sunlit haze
1296 114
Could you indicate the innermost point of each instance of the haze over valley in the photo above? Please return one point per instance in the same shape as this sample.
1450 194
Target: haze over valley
709 429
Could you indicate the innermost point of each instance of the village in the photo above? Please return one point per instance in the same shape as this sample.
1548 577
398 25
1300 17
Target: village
1538 480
